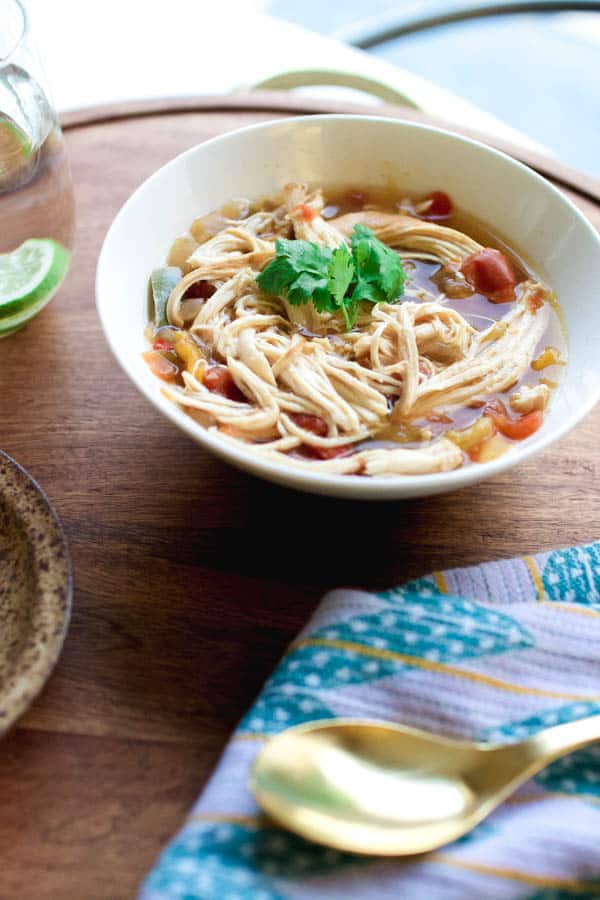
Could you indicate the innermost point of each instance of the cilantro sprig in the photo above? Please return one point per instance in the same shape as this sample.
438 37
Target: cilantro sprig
335 280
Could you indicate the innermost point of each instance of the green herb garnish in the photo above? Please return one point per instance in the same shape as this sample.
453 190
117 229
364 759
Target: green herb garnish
335 280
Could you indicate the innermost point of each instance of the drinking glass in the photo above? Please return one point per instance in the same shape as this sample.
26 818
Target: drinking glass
36 194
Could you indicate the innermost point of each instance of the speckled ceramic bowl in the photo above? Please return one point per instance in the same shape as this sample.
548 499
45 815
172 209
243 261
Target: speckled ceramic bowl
35 590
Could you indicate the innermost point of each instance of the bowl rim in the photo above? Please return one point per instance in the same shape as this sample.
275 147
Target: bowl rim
355 486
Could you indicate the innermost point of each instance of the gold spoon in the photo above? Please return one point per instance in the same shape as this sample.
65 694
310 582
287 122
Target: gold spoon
373 787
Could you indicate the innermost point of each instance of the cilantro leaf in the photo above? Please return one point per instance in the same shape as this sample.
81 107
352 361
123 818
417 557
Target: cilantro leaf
366 289
335 280
376 265
299 272
308 286
276 277
341 275
341 272
304 256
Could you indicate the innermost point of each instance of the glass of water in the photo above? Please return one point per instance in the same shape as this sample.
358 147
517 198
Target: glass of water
36 194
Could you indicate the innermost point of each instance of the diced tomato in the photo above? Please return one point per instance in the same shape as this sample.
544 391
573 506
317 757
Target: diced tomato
160 344
440 207
201 289
309 422
490 273
317 426
523 427
327 452
307 212
516 429
160 365
218 379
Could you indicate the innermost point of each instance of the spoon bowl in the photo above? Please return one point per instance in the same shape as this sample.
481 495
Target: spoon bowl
378 788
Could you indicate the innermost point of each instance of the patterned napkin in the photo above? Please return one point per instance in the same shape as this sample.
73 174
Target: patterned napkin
493 652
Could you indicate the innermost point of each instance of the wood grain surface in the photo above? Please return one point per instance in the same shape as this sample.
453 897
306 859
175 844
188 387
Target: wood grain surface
190 577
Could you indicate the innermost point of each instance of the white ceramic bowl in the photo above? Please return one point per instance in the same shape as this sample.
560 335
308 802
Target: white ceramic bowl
337 151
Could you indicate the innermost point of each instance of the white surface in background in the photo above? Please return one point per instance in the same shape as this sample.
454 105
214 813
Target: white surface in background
96 52
114 50
583 26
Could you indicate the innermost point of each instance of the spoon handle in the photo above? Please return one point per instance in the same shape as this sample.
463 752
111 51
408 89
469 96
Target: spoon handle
551 743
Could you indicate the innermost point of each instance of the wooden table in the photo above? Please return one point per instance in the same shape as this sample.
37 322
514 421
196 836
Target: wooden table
190 577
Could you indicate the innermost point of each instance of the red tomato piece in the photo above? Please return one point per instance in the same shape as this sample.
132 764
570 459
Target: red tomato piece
329 452
307 212
201 289
160 344
160 365
309 422
440 207
523 427
490 273
218 379
515 429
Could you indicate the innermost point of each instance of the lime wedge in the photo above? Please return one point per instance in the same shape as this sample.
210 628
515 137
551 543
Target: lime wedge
30 275
9 324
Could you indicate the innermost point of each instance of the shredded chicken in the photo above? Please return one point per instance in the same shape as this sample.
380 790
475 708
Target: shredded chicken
488 367
402 362
236 246
403 232
304 212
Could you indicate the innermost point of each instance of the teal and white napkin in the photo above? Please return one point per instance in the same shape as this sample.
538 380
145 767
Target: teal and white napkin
493 652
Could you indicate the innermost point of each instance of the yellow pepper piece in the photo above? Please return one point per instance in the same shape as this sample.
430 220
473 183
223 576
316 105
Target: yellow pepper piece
549 357
190 354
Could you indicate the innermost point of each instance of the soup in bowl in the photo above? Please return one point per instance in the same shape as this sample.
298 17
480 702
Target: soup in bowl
371 309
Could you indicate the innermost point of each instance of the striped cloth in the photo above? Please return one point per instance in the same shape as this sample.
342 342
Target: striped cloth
494 652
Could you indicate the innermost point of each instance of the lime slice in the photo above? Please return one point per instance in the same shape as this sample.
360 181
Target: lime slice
29 276
12 323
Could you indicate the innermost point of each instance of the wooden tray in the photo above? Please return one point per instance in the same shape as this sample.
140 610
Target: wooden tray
190 577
